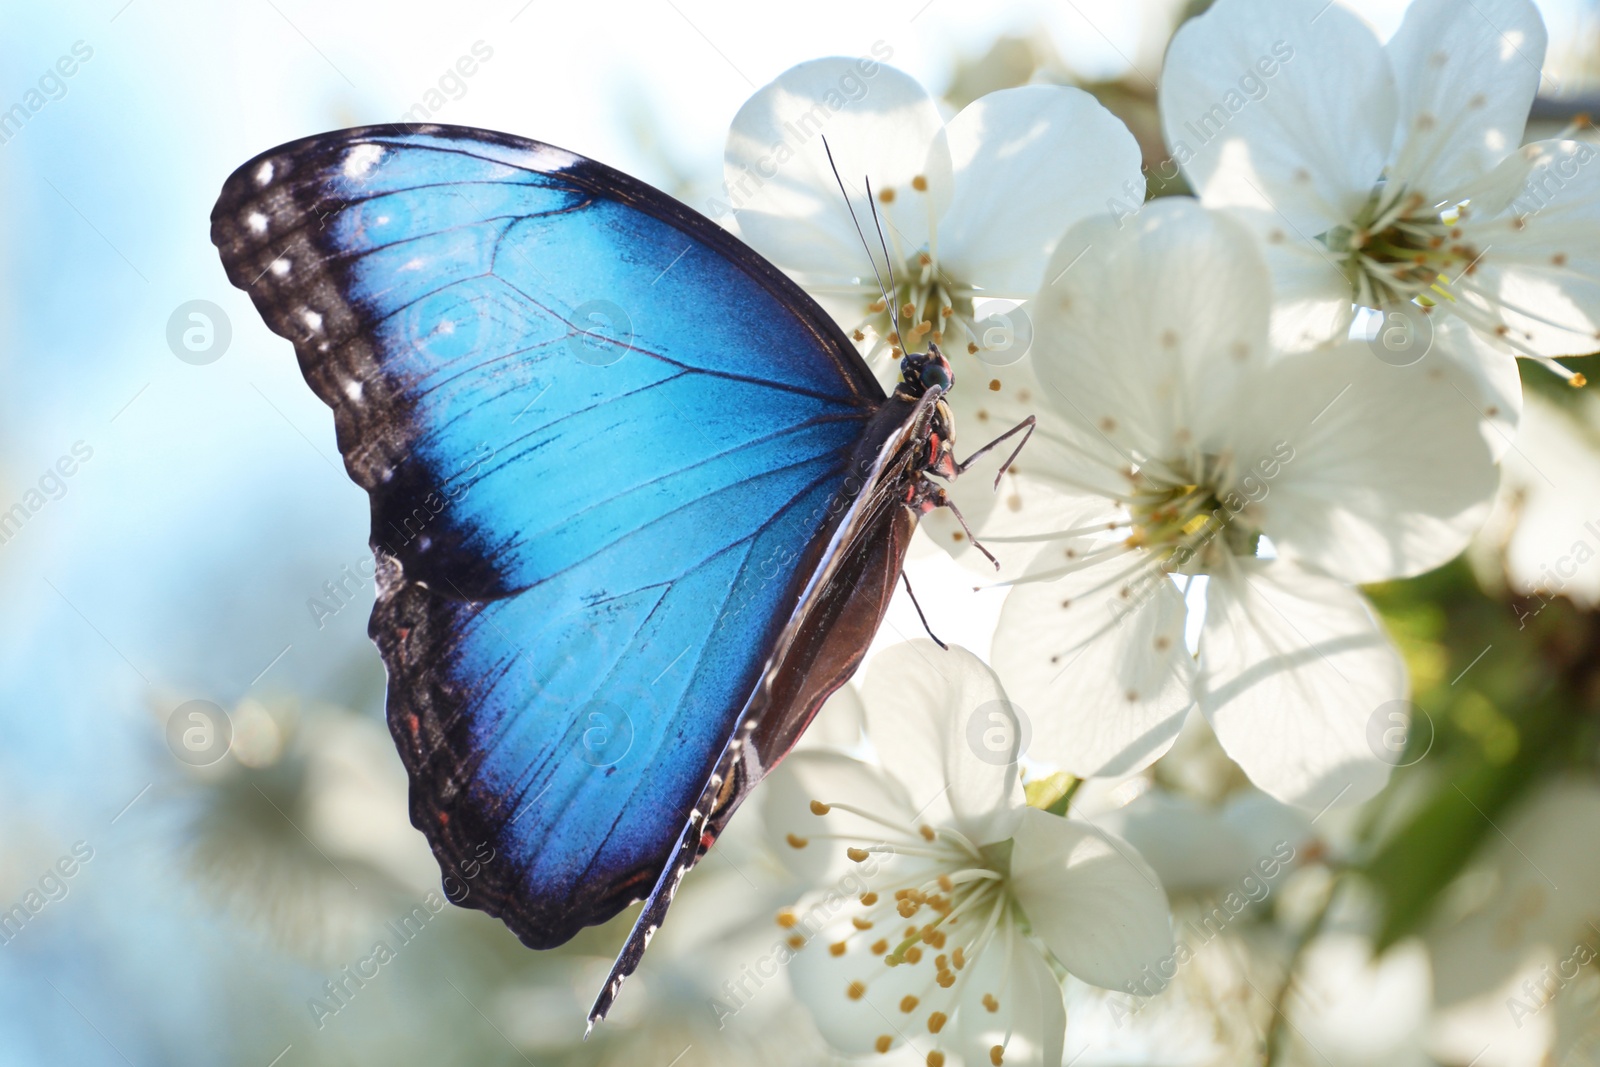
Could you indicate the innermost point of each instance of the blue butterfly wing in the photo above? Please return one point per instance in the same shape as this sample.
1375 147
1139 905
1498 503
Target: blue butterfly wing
603 441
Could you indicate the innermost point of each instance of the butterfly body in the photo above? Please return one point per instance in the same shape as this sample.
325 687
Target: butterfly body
638 506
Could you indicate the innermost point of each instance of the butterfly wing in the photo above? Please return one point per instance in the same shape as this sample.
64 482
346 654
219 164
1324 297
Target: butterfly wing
605 446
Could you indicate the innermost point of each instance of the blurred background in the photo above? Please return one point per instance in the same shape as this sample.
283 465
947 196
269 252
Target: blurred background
202 817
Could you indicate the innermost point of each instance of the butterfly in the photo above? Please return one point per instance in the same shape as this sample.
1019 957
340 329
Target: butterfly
638 504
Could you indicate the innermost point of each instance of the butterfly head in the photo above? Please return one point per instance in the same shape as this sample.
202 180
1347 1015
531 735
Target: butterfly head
922 371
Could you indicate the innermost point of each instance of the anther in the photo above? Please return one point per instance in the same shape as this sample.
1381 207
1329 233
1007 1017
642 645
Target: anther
837 949
908 1004
884 1040
856 990
859 855
796 841
936 1022
819 808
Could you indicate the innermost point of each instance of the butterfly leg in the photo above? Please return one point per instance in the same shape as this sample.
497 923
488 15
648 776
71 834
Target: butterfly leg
1026 424
929 494
907 579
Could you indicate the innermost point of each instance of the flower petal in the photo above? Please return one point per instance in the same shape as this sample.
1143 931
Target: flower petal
1029 163
1312 306
1104 677
839 723
1385 471
1091 897
832 778
1189 846
944 728
1466 75
1030 1024
880 124
1152 376
1539 275
1293 667
1282 104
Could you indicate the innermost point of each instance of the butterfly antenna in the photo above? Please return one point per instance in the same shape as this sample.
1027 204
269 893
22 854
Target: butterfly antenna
894 312
887 262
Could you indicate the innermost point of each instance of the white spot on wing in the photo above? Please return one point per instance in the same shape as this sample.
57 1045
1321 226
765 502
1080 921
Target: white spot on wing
280 266
361 159
352 390
312 319
257 221
264 173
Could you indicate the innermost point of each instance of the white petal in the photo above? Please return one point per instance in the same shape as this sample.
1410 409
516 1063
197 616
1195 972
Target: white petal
1293 666
1489 378
1466 75
1188 846
1091 897
1029 163
1287 104
1104 677
1312 306
832 778
1545 532
840 722
1540 271
1031 1022
1365 470
1547 879
1151 375
881 125
943 726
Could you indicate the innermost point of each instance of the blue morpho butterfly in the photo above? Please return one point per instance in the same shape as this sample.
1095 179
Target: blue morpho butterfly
638 504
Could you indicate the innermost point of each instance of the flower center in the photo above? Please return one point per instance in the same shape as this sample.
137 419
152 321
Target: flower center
1399 248
930 307
1188 521
934 901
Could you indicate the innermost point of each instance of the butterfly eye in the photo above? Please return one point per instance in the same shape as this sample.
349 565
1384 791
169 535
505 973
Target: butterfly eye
935 375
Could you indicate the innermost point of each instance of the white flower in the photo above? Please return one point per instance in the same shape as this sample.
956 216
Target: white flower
953 903
1543 538
1385 175
971 211
1192 446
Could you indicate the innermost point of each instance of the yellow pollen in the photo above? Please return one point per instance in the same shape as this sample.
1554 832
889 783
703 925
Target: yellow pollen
787 919
946 979
908 310
947 311
857 854
796 941
935 1058
819 808
876 306
860 924
972 349
959 957
880 946
886 195
858 335
1578 381
884 1040
796 841
994 385
990 1004
936 1022
908 1004
869 899
920 184
997 1055
926 831
856 990
946 884
837 949
907 908
913 955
